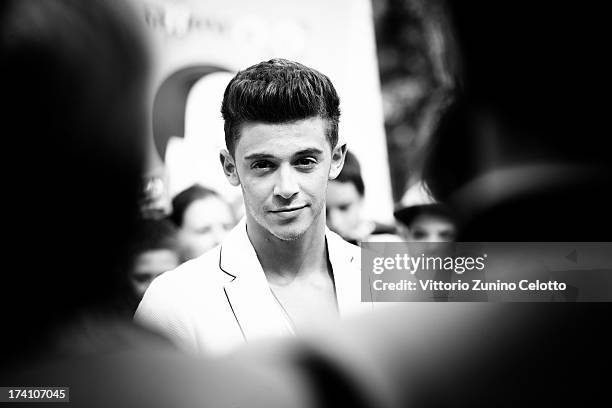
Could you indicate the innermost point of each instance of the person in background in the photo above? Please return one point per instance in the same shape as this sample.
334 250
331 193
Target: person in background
344 205
421 218
155 250
202 217
426 223
154 202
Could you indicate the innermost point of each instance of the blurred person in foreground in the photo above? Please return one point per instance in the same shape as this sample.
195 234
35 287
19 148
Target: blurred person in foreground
203 219
521 156
81 124
279 272
344 204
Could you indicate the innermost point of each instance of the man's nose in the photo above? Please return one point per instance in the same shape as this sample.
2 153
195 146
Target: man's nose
286 183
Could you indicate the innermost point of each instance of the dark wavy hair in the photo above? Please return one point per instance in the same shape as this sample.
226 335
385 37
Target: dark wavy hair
279 91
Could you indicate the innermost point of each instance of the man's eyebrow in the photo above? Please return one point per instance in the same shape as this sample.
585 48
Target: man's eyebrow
312 151
258 156
266 156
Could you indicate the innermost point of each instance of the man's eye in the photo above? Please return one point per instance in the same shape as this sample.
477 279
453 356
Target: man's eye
306 162
262 165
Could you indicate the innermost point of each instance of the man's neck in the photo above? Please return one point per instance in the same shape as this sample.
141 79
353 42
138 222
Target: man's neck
284 261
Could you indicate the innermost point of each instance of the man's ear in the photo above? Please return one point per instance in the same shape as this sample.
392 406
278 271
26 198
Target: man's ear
337 160
229 167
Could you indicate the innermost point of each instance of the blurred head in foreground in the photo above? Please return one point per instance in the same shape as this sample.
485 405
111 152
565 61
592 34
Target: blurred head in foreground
75 75
521 157
520 154
203 218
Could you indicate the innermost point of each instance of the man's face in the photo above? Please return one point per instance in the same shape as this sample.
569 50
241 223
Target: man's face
343 208
283 171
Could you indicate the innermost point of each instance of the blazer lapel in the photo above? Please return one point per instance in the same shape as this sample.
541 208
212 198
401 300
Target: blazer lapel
346 265
248 293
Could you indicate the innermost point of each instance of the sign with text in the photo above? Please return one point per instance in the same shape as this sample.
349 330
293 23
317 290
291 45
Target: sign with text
486 272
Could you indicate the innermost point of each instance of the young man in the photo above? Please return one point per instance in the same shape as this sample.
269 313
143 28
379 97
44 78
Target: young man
280 271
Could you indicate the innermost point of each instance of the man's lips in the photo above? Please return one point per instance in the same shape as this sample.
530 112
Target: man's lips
288 209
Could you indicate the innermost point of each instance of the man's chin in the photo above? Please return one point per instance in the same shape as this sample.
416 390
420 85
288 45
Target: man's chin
290 231
289 234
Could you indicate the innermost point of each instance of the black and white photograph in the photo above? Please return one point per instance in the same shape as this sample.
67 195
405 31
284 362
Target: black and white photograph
306 203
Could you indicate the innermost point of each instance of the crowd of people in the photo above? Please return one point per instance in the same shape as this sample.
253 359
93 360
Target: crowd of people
268 310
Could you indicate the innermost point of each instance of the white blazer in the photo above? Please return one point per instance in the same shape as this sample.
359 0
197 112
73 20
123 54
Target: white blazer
222 299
